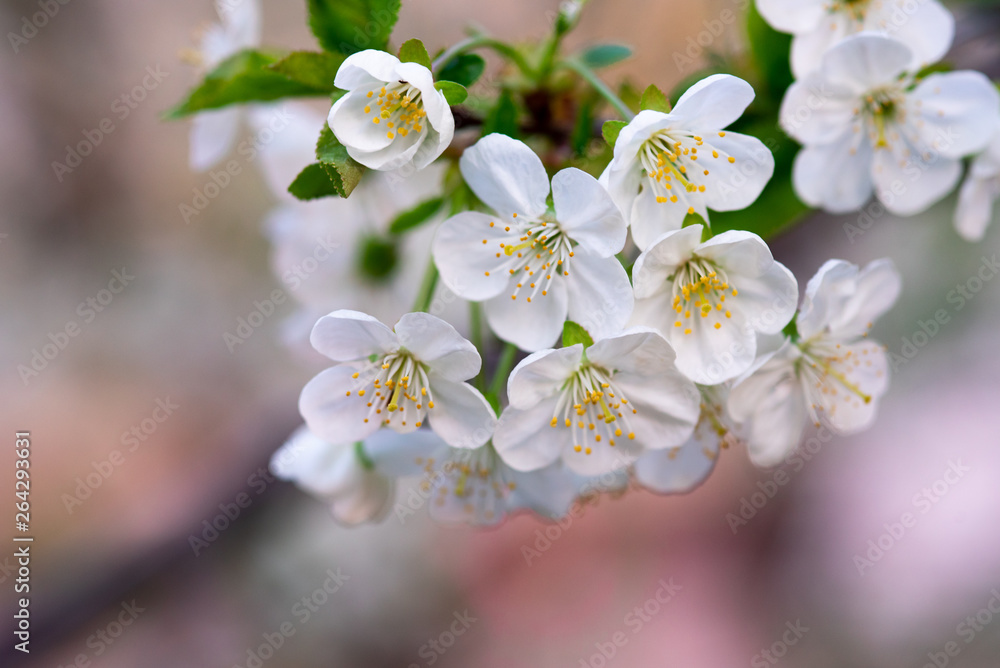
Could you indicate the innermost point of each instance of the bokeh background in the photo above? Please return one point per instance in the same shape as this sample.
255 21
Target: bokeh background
791 565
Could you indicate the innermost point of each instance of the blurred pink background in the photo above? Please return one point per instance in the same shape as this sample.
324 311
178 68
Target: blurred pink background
786 581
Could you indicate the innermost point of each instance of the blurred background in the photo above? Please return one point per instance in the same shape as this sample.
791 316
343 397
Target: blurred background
762 572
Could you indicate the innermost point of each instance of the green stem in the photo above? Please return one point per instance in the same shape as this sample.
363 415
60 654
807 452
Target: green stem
476 336
426 294
545 65
503 369
591 77
483 41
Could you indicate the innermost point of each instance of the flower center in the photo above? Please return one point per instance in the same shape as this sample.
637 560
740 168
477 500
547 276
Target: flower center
398 389
699 291
593 407
829 370
539 256
399 106
670 161
855 9
473 476
882 107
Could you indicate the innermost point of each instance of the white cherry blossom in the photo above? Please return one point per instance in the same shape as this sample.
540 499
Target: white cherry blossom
681 470
666 166
831 374
470 486
979 192
866 124
598 409
214 132
923 25
534 267
391 115
711 299
396 378
341 474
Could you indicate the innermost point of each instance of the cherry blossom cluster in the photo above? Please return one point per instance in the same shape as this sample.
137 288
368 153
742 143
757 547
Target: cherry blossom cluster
875 114
511 331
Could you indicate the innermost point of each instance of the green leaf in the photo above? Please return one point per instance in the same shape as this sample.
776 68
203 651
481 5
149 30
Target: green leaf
454 93
415 216
693 219
604 55
414 51
653 98
630 95
316 69
313 182
769 50
349 26
503 117
464 69
611 130
343 171
583 129
243 77
574 334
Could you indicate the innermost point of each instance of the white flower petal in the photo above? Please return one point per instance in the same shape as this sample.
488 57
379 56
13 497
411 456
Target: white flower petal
603 459
524 439
404 455
662 259
809 47
506 175
777 424
680 470
600 296
540 375
636 351
333 414
354 128
710 355
793 16
739 252
655 312
464 260
844 302
295 127
213 134
621 179
865 366
345 336
438 345
926 27
365 69
908 183
242 21
650 218
835 177
730 186
768 300
666 406
975 207
531 325
814 111
866 61
549 491
956 113
713 103
399 152
334 473
461 415
435 142
587 213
